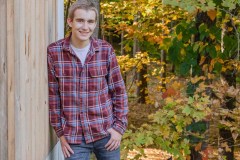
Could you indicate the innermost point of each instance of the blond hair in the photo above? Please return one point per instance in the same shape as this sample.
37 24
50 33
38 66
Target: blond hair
82 4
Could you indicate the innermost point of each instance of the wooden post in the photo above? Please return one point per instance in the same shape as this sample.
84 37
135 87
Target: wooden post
3 80
26 28
10 80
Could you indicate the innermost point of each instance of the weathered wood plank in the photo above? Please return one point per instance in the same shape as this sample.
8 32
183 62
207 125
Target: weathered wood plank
30 25
11 79
3 80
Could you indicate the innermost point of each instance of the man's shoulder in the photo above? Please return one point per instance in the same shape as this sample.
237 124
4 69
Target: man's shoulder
56 46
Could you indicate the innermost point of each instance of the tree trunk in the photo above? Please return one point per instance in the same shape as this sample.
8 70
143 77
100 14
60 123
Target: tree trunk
101 29
142 90
65 16
226 134
163 61
201 17
164 67
230 77
135 40
96 31
123 53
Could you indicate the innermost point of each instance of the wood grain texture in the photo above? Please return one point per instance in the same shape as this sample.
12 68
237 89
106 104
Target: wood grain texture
26 28
3 80
11 79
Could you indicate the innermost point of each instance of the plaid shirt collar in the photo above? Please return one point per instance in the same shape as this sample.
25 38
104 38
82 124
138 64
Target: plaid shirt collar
93 42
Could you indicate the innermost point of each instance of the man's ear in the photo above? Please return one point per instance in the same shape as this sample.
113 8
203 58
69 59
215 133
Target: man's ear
69 21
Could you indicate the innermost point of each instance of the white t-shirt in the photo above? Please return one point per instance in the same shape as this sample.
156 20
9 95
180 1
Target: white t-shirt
81 52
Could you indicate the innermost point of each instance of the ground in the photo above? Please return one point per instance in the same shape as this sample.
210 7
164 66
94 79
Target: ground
138 114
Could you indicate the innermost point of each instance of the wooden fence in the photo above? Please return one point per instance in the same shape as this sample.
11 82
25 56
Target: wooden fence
26 28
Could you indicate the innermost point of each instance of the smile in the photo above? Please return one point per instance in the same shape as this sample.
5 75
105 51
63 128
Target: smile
83 32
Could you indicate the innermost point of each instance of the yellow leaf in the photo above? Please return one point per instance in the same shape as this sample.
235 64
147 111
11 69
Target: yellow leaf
212 63
212 14
127 48
130 17
220 60
212 37
166 132
230 29
205 67
179 36
174 17
179 129
224 69
176 85
139 83
203 58
163 90
211 76
197 79
183 52
169 100
218 47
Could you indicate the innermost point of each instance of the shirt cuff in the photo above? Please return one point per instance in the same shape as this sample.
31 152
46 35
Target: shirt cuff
59 132
119 127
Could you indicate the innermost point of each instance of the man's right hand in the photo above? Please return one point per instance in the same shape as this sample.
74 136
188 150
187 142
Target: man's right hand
66 149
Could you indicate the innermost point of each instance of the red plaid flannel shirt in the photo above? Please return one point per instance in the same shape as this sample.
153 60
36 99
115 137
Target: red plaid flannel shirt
85 100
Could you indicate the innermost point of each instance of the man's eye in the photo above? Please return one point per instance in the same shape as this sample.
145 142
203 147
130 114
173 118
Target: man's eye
80 20
91 21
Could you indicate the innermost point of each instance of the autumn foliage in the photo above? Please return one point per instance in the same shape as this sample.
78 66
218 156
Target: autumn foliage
201 42
189 51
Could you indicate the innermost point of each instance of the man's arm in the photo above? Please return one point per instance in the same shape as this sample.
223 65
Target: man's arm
55 107
118 94
119 100
54 99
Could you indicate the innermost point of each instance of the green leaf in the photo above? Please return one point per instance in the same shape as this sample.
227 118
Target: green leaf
210 5
179 128
179 29
193 30
171 114
202 28
198 115
184 68
173 54
166 43
186 37
190 100
229 3
217 67
187 110
212 51
195 47
140 139
238 80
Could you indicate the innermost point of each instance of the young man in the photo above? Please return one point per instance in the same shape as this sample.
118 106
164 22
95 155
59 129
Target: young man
87 97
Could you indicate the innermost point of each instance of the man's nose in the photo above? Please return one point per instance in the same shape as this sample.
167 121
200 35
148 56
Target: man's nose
84 25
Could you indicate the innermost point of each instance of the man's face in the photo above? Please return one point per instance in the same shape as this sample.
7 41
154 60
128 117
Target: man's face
83 24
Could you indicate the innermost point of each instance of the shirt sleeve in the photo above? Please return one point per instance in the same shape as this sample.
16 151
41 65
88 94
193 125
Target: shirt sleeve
118 94
54 99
